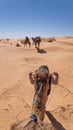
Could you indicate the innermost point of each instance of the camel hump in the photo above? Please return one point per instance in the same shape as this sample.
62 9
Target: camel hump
38 38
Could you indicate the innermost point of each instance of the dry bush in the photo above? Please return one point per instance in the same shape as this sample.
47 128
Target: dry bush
52 39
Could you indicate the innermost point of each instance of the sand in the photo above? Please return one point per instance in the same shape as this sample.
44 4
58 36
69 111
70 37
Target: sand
16 92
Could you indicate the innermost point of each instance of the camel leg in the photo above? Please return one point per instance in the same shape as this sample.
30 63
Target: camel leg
38 44
35 45
29 44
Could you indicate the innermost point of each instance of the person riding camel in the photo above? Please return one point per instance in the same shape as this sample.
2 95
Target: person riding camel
42 80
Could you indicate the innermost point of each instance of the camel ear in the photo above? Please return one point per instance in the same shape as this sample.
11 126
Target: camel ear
30 73
55 78
55 73
35 75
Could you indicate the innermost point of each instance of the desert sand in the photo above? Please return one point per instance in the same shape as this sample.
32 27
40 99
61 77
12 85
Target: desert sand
16 91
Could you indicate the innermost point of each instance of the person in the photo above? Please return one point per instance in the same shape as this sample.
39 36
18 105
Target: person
42 81
27 38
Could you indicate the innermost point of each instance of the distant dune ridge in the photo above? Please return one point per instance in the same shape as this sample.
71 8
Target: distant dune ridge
16 92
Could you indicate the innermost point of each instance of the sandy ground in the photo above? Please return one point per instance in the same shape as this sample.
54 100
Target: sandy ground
16 92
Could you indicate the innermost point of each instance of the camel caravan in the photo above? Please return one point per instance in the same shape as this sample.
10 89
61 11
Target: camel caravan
42 81
36 41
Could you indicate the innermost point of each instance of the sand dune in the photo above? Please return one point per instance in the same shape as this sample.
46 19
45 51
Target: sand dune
16 92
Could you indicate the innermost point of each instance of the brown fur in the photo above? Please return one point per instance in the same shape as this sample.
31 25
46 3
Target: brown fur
26 41
38 78
36 41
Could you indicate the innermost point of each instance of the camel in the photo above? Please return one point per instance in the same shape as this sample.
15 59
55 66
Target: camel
42 81
36 41
26 41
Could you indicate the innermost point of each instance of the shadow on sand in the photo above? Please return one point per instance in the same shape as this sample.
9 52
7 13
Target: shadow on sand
40 50
57 125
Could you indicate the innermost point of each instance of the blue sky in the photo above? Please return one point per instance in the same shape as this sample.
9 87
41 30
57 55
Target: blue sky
20 18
